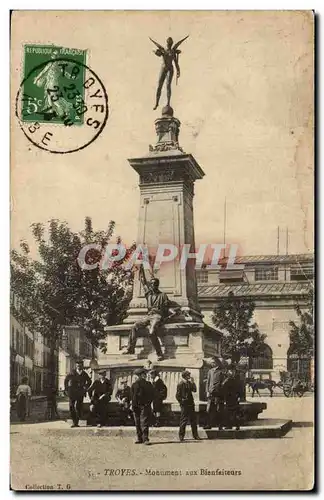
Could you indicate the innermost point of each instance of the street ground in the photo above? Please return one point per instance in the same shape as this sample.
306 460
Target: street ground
43 457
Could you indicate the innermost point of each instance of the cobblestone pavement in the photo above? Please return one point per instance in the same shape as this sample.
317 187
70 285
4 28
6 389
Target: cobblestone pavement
42 459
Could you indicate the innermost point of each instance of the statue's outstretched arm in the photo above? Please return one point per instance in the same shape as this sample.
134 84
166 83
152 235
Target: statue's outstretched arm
143 277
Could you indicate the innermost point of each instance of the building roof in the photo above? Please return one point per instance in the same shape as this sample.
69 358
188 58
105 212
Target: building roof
259 289
275 259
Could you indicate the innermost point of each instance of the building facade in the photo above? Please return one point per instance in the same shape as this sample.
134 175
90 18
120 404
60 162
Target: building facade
42 363
75 345
30 353
21 349
274 283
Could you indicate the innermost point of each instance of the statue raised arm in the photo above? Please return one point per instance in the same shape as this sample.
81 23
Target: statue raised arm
170 56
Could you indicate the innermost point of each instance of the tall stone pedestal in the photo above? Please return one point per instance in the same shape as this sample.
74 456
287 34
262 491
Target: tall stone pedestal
166 181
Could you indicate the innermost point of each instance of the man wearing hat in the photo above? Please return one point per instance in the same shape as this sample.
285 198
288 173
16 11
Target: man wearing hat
142 393
184 397
160 394
232 397
76 385
100 394
214 392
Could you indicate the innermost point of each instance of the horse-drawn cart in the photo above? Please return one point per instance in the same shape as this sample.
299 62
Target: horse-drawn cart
294 388
293 385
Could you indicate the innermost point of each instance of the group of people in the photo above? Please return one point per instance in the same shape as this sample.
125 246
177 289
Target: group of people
135 402
148 393
224 392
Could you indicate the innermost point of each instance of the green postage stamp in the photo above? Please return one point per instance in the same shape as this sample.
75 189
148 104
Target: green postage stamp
61 104
53 86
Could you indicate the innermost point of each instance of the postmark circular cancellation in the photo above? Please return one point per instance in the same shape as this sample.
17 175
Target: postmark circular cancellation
61 104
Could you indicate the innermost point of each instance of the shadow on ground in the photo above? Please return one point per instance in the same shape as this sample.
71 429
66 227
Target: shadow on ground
303 424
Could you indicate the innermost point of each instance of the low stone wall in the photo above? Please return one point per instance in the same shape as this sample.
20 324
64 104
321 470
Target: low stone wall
170 415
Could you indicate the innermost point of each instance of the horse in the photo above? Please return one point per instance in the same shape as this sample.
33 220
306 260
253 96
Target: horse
255 385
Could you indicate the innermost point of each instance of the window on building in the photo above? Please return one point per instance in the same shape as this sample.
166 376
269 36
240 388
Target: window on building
231 276
299 365
263 361
302 273
18 348
202 277
266 273
280 325
22 343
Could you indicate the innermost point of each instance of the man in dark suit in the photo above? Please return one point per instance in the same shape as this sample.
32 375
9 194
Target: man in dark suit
214 392
100 394
184 397
76 385
160 394
232 396
142 393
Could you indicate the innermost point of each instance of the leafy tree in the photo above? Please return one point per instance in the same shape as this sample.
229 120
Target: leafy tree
55 291
302 333
241 336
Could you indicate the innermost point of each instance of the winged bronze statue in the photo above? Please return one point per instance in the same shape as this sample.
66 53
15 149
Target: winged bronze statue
170 55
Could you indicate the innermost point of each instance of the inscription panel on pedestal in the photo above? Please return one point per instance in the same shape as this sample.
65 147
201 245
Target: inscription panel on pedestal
160 222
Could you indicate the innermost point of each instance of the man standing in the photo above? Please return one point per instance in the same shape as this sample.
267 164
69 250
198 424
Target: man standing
184 396
214 391
160 394
142 393
100 393
157 311
76 385
232 396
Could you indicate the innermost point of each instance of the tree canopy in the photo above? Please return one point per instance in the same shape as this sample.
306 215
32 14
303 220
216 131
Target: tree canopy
55 290
302 332
241 336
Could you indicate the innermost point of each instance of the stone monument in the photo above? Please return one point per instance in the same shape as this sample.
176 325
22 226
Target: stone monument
166 181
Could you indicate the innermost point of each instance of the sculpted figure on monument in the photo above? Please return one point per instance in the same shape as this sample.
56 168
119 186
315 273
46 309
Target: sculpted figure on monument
170 55
158 311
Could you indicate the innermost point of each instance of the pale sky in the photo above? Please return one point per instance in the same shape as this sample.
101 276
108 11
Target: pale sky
245 102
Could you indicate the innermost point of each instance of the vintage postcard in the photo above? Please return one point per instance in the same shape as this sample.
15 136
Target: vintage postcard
162 251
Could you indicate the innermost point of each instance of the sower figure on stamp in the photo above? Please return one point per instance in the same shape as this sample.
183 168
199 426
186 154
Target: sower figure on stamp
170 55
214 391
184 397
76 385
100 393
142 393
158 310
